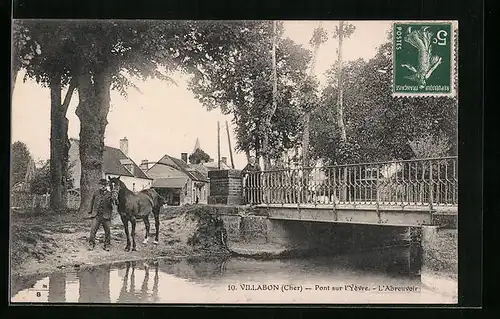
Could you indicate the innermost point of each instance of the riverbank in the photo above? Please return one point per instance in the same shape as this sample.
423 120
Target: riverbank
42 243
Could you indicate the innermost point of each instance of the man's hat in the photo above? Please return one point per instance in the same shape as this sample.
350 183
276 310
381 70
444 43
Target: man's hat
103 182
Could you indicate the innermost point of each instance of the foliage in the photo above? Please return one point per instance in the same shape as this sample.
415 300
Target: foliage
20 160
241 85
430 146
319 36
347 28
103 54
41 182
380 125
199 156
24 48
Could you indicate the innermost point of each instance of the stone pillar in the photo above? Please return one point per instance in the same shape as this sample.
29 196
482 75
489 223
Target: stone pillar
225 187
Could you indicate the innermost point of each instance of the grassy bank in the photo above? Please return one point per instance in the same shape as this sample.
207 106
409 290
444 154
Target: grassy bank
46 242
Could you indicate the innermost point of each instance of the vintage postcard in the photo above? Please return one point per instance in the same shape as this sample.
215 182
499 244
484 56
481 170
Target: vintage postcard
234 162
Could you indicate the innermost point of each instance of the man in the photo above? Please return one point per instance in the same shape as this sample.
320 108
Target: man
252 181
101 211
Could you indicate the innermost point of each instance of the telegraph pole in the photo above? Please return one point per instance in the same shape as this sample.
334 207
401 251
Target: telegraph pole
230 148
218 144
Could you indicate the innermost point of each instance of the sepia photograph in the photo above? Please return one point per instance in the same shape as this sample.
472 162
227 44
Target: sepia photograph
234 162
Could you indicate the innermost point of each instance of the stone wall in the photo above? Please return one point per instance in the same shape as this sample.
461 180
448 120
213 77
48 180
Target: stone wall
440 259
440 251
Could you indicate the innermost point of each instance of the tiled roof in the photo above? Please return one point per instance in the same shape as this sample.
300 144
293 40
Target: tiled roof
172 182
111 163
184 167
198 175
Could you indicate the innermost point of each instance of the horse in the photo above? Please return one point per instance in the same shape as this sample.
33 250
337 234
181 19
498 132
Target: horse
158 202
134 205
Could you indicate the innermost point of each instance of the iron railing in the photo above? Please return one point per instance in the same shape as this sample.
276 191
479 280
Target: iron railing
421 182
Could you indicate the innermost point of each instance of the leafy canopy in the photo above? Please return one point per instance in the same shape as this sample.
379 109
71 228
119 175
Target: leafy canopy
199 156
379 126
241 85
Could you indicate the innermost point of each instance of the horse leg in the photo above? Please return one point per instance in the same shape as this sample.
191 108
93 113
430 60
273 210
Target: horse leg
125 226
146 224
156 214
132 221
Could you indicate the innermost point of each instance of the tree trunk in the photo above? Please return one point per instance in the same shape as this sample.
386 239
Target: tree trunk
15 71
92 111
307 115
305 140
340 106
265 141
59 144
56 146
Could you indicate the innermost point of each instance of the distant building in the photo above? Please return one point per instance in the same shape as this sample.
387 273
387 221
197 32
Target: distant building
115 163
179 182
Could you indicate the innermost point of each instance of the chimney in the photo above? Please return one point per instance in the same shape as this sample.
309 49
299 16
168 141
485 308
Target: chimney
124 146
223 160
184 157
144 165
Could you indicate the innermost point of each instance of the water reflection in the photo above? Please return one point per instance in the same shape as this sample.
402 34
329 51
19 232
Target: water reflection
57 288
94 285
207 281
128 291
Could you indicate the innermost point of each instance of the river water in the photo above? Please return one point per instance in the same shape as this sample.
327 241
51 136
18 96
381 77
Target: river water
384 276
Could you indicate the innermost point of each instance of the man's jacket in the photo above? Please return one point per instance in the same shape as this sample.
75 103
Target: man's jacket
101 204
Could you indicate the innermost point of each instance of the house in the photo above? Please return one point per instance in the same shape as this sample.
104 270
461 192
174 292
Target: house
115 163
179 182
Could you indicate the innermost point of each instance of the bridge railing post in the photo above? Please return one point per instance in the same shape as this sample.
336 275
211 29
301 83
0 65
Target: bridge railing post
377 181
431 186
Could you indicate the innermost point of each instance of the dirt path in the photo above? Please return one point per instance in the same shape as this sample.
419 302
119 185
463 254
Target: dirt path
43 244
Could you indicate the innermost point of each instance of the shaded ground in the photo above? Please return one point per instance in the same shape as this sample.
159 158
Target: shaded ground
42 243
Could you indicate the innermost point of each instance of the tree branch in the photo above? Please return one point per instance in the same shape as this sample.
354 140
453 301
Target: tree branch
69 94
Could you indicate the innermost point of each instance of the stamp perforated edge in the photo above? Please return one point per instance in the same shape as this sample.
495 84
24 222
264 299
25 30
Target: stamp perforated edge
453 67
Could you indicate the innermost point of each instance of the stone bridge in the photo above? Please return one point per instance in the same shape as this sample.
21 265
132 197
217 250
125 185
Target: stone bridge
344 208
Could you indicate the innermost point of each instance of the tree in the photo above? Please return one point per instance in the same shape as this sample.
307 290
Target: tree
199 156
274 102
24 48
241 85
310 93
20 160
379 127
343 30
101 55
47 68
41 183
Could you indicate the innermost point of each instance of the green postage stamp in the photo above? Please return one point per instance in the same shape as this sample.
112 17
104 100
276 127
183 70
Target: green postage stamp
424 58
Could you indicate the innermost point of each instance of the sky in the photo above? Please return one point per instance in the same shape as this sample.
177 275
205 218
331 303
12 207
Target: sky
166 119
